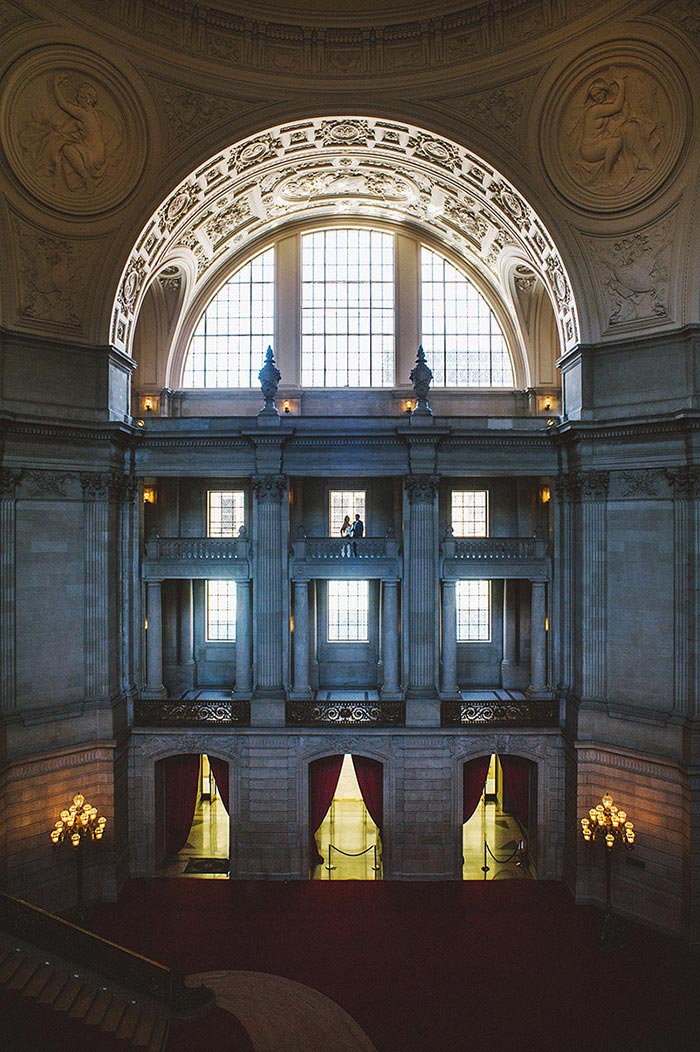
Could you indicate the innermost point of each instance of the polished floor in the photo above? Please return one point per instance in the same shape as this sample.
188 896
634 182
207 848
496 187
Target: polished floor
490 838
208 839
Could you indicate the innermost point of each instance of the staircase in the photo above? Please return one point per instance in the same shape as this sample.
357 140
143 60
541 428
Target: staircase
62 967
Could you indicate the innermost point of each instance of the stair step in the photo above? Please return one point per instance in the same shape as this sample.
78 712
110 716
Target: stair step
39 980
21 977
82 1003
128 1022
159 1037
98 1008
114 1014
52 988
10 965
144 1030
68 994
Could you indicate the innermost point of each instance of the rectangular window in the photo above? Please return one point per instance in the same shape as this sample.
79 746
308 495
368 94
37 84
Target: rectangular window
342 502
348 611
221 611
473 611
470 510
225 512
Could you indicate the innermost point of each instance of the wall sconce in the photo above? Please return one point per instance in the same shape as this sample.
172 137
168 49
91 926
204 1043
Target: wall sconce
286 406
408 406
149 494
547 404
545 494
148 405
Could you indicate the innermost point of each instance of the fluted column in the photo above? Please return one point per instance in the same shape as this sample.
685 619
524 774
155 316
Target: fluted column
185 635
128 557
594 492
510 623
244 667
269 593
538 639
8 656
685 483
98 644
301 640
449 639
421 583
390 639
154 641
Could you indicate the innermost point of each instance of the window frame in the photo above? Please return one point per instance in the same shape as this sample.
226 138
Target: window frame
218 489
478 641
487 512
344 641
231 638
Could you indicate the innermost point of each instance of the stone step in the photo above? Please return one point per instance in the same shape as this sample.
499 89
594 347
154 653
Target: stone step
82 1003
128 1022
144 1030
159 1037
41 977
98 1008
113 1015
52 989
64 1001
10 965
23 974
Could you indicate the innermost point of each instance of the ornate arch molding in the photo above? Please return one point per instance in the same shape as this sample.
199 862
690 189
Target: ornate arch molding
342 166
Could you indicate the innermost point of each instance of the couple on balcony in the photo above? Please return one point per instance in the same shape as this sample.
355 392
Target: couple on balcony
352 529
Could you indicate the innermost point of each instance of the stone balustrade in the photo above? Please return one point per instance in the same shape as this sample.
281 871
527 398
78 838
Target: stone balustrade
332 548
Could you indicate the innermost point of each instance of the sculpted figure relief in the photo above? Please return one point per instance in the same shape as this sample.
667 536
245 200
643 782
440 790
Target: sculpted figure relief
70 138
615 130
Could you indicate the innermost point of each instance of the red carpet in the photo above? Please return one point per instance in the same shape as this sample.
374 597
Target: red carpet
430 967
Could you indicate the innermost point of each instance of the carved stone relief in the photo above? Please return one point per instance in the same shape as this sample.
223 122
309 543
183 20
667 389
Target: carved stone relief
634 273
189 112
74 134
51 276
614 127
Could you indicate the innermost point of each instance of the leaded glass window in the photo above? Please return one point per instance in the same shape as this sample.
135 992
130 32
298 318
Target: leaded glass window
225 512
473 611
221 611
344 502
470 513
348 611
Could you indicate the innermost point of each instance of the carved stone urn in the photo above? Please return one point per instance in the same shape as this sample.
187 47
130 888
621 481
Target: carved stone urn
269 377
421 377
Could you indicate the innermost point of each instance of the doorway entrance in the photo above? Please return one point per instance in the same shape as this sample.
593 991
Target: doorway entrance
193 827
499 832
347 841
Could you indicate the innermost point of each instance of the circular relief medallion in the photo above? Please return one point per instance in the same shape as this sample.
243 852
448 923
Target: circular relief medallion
613 127
73 128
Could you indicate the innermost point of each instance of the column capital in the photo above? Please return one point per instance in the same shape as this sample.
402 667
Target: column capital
685 482
421 489
9 477
269 489
594 485
100 485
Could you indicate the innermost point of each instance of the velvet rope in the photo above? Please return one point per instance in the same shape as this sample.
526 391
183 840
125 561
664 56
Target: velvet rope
323 779
370 778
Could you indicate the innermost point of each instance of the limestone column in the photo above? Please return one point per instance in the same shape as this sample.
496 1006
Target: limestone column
270 608
244 668
421 581
154 641
510 623
128 561
685 483
8 657
448 684
185 634
390 639
301 640
97 491
594 492
538 639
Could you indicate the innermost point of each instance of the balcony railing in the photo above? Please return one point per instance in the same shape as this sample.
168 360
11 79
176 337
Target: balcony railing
515 548
191 713
339 548
345 713
500 713
210 548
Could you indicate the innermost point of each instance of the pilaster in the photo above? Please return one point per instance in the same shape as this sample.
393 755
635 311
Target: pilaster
421 583
8 657
594 492
269 598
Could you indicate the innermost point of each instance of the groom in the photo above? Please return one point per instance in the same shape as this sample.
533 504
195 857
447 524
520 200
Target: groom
358 529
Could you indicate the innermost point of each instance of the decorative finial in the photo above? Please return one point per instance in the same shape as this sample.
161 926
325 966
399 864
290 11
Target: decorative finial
269 377
421 376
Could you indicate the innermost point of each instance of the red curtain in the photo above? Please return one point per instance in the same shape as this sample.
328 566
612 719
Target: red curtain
370 778
219 768
323 779
516 776
181 781
475 772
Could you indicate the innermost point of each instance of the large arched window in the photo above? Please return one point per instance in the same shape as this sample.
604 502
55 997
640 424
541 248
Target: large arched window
339 298
462 339
228 346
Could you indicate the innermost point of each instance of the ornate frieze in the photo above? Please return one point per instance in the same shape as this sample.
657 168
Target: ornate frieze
269 489
640 483
421 489
47 483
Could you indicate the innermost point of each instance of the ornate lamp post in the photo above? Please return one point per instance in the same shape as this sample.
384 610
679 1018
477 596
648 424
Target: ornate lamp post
609 823
79 824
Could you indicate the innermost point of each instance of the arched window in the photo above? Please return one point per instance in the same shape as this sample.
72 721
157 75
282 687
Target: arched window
462 339
347 308
228 346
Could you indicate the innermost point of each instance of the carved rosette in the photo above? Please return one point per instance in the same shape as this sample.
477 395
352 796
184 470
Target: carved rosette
639 483
47 483
421 489
270 489
73 129
614 126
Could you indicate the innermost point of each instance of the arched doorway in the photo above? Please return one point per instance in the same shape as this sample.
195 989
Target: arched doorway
345 817
499 818
192 816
